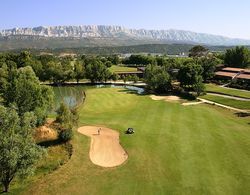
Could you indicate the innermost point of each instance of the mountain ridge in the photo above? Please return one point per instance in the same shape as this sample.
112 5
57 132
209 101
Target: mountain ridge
120 32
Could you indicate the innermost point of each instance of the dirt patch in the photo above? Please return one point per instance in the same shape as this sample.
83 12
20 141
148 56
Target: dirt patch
46 132
166 98
105 148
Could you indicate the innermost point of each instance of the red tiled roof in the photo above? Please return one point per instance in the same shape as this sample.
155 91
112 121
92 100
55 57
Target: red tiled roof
231 75
247 71
243 76
225 74
236 69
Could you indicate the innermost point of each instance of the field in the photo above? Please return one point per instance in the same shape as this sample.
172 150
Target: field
175 149
115 68
227 91
229 102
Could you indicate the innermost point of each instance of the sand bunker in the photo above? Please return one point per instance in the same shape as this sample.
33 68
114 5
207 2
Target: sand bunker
191 103
166 98
105 149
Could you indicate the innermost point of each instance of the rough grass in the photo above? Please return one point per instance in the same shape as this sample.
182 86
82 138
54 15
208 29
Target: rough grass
115 68
227 91
56 156
175 150
229 102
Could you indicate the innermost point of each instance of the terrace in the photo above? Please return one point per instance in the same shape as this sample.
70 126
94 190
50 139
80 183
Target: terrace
233 73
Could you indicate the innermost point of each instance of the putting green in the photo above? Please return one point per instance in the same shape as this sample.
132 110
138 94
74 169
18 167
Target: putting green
176 149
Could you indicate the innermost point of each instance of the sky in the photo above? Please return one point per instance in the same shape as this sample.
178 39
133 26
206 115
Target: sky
222 17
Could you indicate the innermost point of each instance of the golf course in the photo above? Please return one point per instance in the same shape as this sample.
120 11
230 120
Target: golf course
176 149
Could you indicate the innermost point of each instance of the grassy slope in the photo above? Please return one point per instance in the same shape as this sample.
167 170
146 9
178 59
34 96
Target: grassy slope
227 91
175 150
229 102
56 156
115 68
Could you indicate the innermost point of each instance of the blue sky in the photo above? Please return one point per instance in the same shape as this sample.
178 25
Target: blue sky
224 17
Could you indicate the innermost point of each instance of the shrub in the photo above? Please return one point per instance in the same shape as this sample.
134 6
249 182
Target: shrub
41 115
63 114
66 135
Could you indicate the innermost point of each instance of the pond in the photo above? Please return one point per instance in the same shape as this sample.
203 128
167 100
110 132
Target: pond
74 95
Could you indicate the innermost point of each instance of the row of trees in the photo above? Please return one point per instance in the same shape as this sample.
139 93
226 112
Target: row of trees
20 89
191 74
24 104
61 69
238 57
18 150
95 68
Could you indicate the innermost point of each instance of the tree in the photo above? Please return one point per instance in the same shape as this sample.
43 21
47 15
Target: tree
48 63
125 78
157 79
108 64
209 66
237 57
134 78
18 150
66 135
26 94
67 69
67 117
115 77
198 51
78 70
57 70
190 75
199 86
54 72
64 115
140 60
23 59
3 76
96 71
114 59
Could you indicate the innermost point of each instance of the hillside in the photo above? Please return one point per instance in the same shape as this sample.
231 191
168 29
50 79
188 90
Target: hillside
91 35
170 49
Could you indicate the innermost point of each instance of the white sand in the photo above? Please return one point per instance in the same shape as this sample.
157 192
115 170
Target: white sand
166 98
105 149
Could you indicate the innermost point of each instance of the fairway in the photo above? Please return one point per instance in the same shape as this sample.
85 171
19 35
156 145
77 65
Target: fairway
176 149
245 105
227 91
116 68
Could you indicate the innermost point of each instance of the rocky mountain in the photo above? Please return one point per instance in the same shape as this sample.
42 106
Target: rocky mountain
101 35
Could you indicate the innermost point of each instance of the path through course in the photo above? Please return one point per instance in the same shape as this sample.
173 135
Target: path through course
230 97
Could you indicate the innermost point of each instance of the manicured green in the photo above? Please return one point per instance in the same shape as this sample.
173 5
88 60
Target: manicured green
227 91
175 149
228 102
116 68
